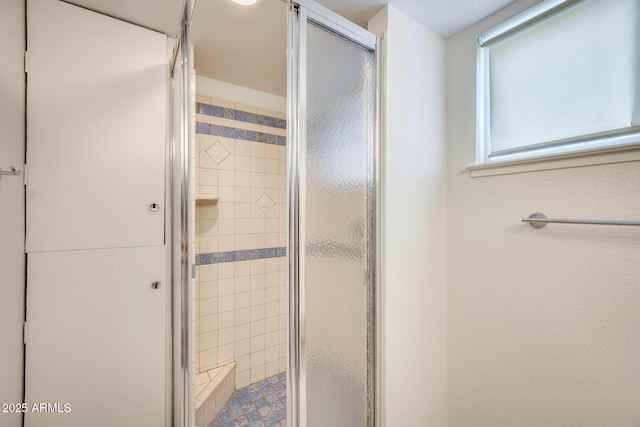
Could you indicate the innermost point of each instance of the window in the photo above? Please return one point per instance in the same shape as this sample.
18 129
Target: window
562 76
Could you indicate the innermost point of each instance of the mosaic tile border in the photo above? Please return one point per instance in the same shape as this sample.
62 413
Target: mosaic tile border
239 115
243 255
235 133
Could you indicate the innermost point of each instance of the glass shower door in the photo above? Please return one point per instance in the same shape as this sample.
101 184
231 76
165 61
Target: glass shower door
333 158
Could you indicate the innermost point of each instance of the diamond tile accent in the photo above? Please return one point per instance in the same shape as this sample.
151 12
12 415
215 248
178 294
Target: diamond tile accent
265 202
218 153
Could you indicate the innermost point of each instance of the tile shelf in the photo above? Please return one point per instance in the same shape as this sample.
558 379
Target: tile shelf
206 199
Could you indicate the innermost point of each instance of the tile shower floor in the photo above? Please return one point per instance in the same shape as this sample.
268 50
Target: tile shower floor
257 405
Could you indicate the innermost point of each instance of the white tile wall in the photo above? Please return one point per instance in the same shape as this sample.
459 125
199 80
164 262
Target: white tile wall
213 389
241 305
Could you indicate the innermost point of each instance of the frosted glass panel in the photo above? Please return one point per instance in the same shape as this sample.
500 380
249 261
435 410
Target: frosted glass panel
571 75
338 182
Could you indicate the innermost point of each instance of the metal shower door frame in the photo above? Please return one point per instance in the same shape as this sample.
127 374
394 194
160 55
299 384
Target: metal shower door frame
182 257
299 14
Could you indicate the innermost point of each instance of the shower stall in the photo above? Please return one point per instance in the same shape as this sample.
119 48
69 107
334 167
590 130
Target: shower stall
276 235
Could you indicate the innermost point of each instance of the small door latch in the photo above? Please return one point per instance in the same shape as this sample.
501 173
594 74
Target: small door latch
154 207
155 285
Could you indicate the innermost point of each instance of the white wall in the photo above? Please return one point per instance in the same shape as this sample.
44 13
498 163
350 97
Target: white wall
542 324
12 39
415 296
240 94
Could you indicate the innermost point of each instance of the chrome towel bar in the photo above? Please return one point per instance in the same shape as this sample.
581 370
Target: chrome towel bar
12 171
539 220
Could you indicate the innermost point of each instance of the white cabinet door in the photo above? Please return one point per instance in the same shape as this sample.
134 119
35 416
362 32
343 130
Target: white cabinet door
96 130
96 338
12 278
96 140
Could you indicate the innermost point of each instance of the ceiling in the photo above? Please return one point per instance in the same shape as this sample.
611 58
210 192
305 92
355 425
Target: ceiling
242 45
247 45
159 15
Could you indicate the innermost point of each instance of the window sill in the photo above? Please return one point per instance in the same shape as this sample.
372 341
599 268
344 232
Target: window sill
597 156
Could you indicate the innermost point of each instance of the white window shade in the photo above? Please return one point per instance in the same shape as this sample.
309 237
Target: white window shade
557 81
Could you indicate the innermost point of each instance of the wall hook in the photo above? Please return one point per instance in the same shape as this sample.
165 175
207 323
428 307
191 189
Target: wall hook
12 171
